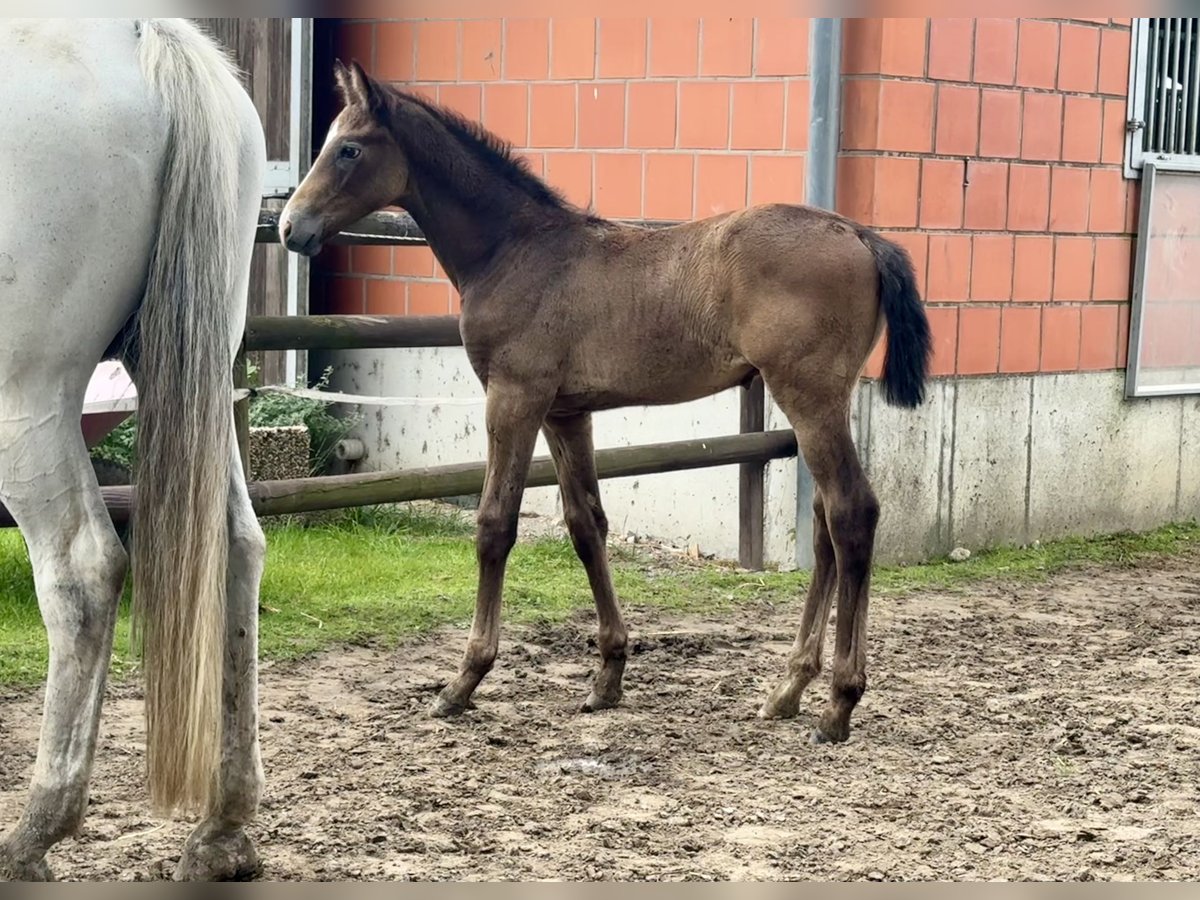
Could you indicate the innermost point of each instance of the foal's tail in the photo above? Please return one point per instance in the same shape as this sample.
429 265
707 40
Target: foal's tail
185 430
909 346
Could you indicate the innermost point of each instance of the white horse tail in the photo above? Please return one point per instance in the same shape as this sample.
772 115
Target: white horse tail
185 433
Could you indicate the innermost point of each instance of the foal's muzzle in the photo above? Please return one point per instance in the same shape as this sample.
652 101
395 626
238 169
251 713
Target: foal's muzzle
301 233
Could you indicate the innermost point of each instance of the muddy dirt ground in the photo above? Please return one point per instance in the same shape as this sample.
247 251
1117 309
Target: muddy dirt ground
1010 731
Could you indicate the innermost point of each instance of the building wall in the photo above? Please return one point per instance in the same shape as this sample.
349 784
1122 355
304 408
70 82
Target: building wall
992 149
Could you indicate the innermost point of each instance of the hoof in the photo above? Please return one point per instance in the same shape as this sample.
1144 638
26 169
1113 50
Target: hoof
784 703
212 855
444 708
11 870
827 736
596 701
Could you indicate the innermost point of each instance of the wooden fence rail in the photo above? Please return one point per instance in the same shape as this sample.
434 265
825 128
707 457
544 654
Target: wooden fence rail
367 489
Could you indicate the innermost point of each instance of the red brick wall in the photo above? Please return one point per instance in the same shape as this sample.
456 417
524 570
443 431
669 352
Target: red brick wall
637 118
991 148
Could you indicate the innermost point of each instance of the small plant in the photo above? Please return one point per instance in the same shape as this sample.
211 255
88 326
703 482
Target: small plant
266 411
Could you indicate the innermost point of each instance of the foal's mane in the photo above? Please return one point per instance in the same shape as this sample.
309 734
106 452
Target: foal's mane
493 153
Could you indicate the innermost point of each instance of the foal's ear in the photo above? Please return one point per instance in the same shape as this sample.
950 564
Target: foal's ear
367 92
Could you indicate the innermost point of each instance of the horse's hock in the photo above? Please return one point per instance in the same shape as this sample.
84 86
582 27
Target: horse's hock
279 453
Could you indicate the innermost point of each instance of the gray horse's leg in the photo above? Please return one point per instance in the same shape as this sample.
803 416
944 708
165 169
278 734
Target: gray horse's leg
79 566
219 848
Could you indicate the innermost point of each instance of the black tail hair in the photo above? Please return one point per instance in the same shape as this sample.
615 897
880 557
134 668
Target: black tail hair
909 345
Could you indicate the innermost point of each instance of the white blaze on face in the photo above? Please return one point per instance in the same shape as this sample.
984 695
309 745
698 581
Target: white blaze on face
333 130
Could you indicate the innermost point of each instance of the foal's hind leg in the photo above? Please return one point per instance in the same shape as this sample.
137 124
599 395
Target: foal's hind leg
570 441
79 567
219 849
819 415
513 415
804 662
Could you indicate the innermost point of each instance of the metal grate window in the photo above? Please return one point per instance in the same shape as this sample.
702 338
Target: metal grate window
1164 95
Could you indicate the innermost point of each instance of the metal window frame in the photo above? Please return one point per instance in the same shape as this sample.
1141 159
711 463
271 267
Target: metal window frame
1150 170
1139 80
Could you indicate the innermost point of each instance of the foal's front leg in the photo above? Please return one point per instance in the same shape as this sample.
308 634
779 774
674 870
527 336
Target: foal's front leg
513 416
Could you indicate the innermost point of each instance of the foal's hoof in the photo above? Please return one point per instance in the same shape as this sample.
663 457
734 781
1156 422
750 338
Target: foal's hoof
783 703
822 735
597 701
11 870
445 708
214 855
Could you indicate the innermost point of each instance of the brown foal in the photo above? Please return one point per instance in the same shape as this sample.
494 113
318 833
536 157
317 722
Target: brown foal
565 313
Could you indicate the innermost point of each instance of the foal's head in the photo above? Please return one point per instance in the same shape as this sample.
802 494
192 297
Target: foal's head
360 169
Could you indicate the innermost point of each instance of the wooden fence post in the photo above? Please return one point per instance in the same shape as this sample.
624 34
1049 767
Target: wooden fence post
241 409
750 481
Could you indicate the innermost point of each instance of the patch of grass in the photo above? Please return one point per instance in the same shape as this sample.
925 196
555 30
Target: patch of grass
383 574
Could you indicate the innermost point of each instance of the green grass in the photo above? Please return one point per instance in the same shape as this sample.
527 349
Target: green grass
381 575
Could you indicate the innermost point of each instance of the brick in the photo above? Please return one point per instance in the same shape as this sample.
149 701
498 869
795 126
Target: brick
951 43
356 43
1060 339
346 296
902 50
410 260
991 267
1114 62
1081 128
506 111
437 50
428 298
619 185
1074 258
957 120
781 46
860 114
371 260
861 196
1033 268
481 50
1042 126
949 266
798 98
395 51
757 115
552 115
669 185
534 162
571 173
465 99
776 179
1112 144
601 115
1107 215
572 48
1098 337
943 326
1020 339
906 116
1070 192
622 44
862 42
941 193
386 297
1000 123
986 196
726 46
995 51
1114 266
333 258
674 47
1078 58
720 184
978 340
526 49
1037 54
704 115
652 118
1133 198
1028 198
1122 335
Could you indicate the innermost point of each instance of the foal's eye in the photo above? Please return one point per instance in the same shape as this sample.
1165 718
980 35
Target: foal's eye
349 151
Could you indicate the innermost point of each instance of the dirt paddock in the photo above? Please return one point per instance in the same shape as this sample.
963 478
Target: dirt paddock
1009 731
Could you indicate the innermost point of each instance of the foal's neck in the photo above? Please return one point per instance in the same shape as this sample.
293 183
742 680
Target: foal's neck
466 201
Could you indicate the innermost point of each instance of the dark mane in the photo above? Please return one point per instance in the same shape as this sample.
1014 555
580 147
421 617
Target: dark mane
493 152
